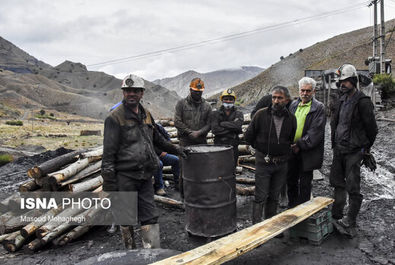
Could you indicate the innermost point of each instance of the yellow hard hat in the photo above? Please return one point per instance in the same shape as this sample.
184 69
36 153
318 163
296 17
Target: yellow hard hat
228 93
197 84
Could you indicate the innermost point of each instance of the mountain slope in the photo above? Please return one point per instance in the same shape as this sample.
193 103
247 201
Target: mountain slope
214 81
68 87
352 47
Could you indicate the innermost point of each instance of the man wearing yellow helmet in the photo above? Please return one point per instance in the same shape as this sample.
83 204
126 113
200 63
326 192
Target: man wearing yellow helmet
226 123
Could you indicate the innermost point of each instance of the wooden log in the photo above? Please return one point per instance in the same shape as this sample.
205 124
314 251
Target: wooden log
165 123
68 171
35 245
72 235
239 170
239 243
53 165
43 182
15 223
246 150
57 220
86 185
169 201
29 185
31 228
90 132
245 180
250 159
12 245
5 236
86 172
386 119
248 167
93 155
245 191
66 226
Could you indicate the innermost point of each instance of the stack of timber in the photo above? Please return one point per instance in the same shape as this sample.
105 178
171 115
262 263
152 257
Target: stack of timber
75 172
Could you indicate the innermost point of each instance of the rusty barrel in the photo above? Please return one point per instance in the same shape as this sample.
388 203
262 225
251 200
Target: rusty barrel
209 190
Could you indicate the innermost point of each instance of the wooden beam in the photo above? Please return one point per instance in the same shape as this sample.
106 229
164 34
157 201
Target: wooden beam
236 244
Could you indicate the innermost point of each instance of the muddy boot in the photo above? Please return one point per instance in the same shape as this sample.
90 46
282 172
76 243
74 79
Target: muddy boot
340 196
127 234
257 209
346 227
150 236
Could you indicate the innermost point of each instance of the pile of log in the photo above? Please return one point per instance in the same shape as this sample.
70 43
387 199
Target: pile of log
75 172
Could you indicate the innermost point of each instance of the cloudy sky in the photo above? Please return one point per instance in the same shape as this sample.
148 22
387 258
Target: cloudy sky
163 38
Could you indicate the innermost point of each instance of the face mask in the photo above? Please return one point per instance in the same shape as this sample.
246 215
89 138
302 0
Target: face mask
228 105
197 96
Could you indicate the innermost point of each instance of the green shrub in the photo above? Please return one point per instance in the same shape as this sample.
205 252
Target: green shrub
5 158
386 82
14 123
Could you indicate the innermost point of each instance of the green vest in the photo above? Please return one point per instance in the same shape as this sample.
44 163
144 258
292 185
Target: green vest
301 112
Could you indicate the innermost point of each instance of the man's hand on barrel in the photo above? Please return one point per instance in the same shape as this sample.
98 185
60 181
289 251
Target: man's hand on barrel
182 152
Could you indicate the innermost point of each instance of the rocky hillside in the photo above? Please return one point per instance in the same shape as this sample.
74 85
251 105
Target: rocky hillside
26 82
214 81
353 47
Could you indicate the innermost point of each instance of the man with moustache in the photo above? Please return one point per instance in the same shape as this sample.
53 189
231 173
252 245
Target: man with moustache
271 133
308 147
353 132
129 160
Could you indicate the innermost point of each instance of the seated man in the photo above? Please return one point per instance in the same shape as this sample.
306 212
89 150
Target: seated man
165 160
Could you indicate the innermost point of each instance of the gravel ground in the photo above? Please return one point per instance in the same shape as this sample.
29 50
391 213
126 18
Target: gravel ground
374 245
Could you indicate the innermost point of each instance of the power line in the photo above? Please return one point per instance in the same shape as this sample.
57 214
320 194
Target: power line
231 36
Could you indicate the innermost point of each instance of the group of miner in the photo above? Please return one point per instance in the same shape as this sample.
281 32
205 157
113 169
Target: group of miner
287 135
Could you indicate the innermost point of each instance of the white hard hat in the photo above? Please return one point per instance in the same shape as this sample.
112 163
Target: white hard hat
132 80
346 71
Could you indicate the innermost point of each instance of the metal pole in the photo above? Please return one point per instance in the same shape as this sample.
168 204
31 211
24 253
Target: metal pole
375 44
382 38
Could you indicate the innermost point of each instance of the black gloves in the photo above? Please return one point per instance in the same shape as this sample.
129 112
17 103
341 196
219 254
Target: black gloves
182 152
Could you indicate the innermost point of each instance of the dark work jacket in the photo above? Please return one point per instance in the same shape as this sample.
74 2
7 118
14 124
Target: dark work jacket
311 143
128 145
226 129
261 133
360 125
192 116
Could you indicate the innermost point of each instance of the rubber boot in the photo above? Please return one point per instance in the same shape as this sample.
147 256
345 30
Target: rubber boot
340 196
127 234
150 236
257 209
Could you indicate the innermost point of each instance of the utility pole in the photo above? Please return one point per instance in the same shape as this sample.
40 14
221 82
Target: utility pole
375 44
382 38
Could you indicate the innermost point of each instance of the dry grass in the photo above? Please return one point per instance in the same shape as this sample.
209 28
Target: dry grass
50 134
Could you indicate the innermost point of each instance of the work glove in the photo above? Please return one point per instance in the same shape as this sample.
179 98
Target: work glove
181 151
369 161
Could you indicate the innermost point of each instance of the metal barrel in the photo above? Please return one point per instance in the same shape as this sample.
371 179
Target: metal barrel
209 190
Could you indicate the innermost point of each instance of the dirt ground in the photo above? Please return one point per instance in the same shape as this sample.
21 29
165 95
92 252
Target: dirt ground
375 243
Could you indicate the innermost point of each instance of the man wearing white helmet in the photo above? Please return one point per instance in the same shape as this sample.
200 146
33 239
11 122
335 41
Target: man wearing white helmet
354 130
129 159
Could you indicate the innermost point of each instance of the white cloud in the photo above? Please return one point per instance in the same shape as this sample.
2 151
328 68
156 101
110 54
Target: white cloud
96 31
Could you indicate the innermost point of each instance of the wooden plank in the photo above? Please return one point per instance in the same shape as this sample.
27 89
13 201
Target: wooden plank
236 244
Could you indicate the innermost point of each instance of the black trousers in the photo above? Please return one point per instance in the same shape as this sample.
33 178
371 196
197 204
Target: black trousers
145 197
345 177
298 182
269 180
